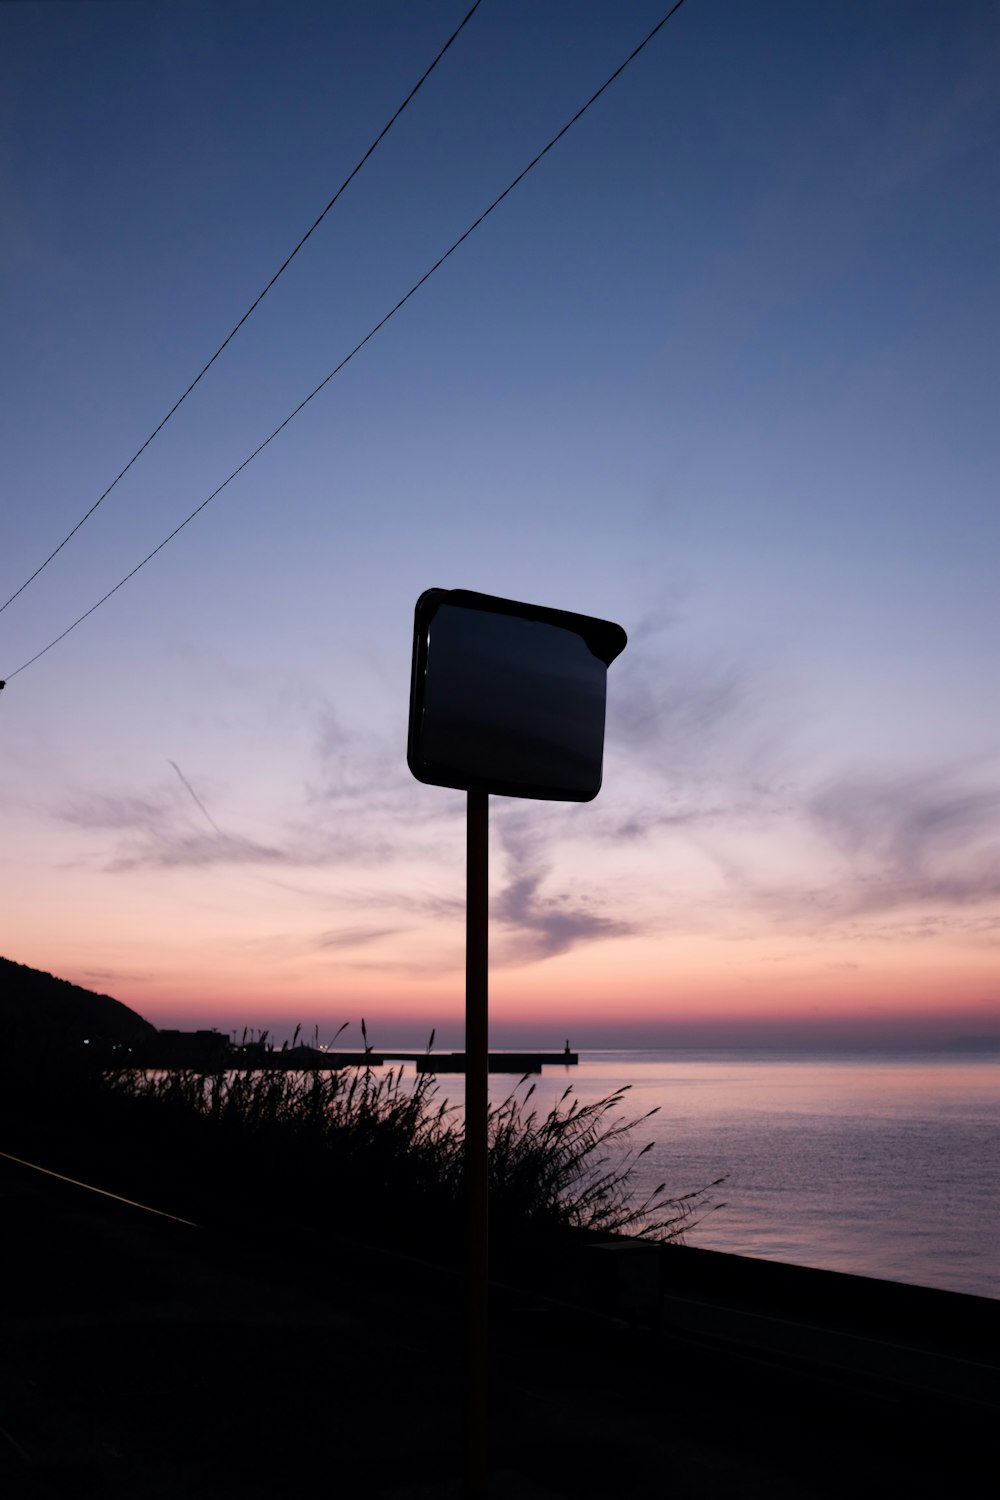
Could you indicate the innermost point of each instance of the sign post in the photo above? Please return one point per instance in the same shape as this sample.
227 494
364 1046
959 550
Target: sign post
477 1066
505 699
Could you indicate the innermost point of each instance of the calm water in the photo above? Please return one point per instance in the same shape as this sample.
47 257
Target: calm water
885 1165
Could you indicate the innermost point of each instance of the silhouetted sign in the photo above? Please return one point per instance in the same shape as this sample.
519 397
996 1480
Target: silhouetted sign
508 698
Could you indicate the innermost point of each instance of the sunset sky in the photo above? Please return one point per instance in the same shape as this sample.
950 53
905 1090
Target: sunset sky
723 369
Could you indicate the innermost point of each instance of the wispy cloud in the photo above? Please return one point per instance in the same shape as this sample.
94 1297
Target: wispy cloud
908 859
156 830
109 810
928 839
539 924
172 849
195 798
694 817
355 937
362 808
354 764
113 976
701 741
668 709
425 904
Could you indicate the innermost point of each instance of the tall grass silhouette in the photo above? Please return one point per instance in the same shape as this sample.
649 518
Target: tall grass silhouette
366 1151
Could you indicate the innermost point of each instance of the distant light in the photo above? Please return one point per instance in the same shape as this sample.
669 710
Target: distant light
86 1041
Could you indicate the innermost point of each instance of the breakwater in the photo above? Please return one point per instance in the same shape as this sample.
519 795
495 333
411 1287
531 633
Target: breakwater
211 1052
453 1062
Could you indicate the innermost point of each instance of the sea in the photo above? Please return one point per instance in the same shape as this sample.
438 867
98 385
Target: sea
880 1164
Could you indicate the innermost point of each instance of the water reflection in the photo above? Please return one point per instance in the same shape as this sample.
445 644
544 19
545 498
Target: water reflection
882 1166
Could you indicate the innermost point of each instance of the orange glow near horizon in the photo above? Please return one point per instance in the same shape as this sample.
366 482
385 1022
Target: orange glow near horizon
620 990
203 947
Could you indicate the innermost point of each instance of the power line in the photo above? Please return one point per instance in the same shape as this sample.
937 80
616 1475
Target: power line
255 304
359 346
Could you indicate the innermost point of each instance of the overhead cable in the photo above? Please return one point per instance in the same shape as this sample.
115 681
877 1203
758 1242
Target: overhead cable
253 306
359 346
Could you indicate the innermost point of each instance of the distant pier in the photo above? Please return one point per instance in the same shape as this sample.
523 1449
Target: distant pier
500 1062
210 1052
454 1062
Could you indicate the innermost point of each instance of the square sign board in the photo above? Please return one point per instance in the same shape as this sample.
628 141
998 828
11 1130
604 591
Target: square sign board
508 698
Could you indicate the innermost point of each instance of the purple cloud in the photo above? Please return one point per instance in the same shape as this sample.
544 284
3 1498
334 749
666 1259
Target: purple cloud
542 926
932 838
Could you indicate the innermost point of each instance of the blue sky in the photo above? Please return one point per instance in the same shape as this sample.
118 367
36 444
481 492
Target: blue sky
723 368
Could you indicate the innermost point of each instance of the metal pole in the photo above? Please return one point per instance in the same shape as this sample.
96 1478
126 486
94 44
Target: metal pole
476 1155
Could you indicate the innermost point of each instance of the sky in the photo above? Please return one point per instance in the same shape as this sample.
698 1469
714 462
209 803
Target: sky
723 369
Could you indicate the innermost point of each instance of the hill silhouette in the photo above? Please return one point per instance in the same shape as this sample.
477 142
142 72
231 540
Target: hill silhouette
37 1008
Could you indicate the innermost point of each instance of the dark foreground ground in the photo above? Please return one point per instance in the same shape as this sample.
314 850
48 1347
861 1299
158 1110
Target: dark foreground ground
142 1358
